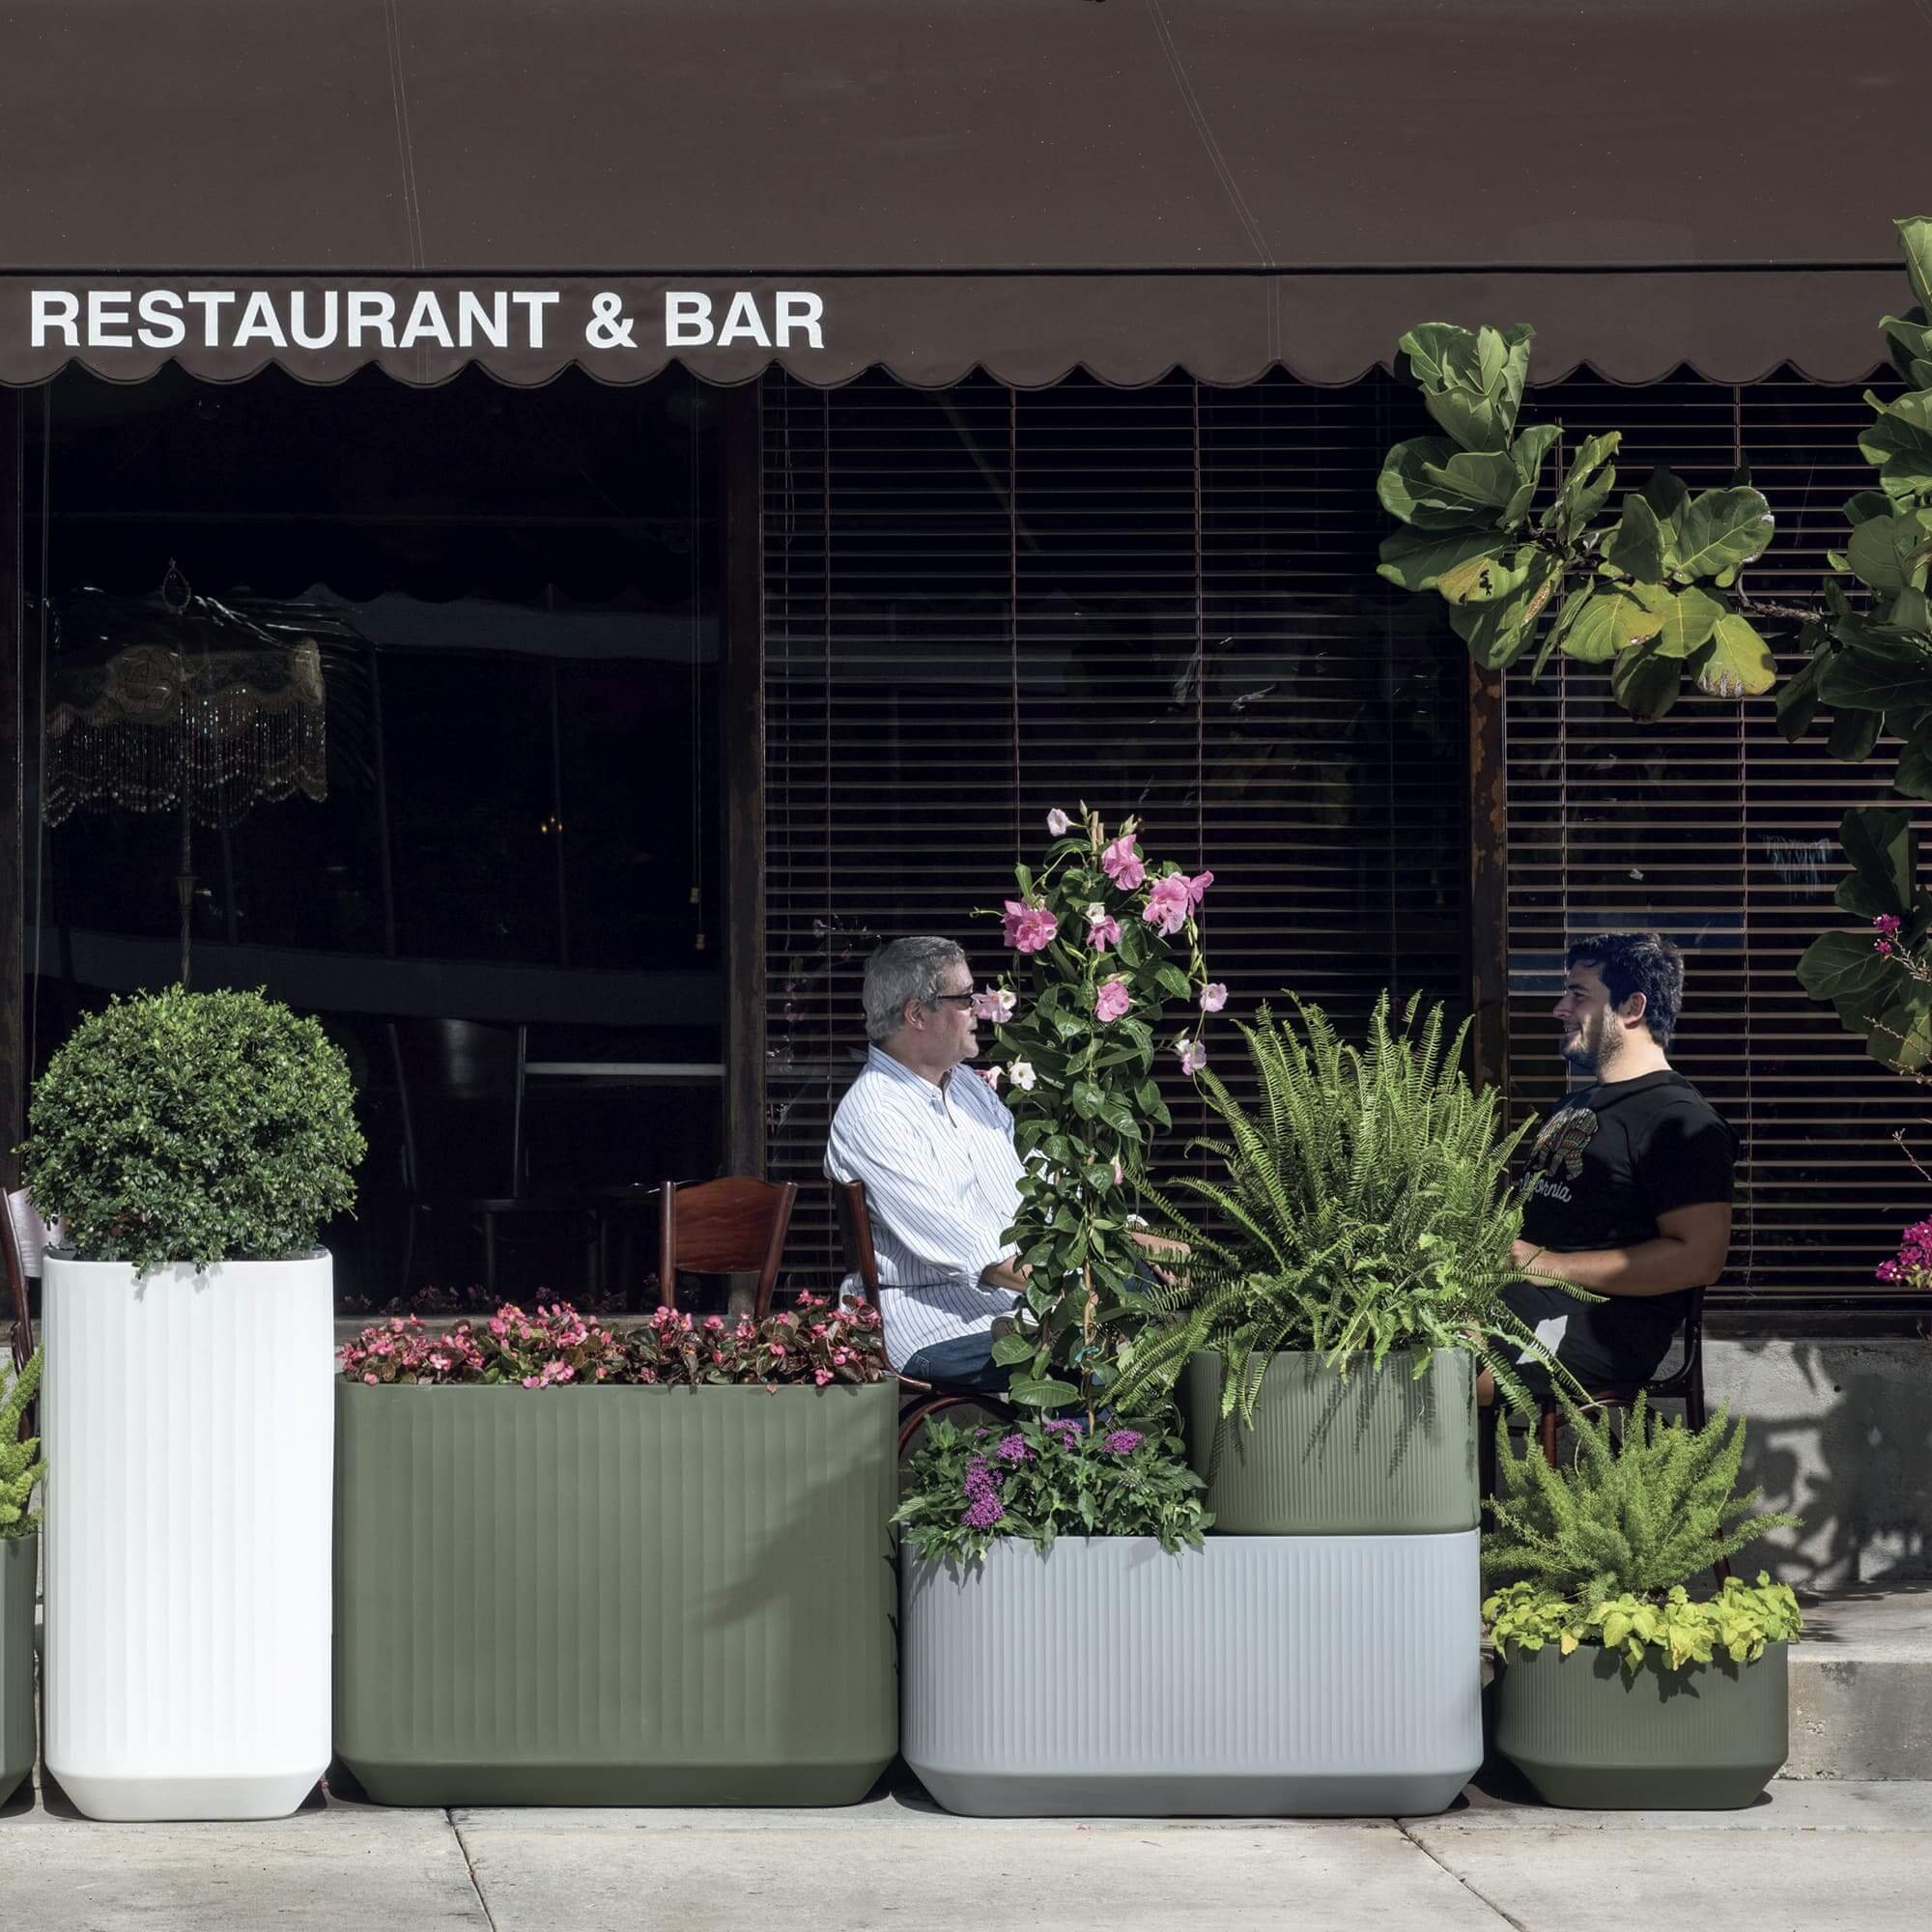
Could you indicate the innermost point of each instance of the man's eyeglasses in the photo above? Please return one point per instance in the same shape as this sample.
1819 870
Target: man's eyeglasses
952 999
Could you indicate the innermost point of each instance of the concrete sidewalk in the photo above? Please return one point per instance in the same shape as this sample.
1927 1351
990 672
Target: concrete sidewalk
1811 1858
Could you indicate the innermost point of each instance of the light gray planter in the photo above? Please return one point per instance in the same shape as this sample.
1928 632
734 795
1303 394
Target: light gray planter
1377 1452
1318 1676
20 1575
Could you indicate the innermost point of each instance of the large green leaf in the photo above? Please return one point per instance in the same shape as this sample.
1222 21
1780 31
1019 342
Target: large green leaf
1837 964
1498 633
1410 487
1634 545
1416 559
1594 635
1586 487
1798 700
1884 852
1484 481
1666 492
1687 619
1889 552
1472 382
1901 1034
1875 673
1044 1393
1915 237
1722 530
1913 776
1482 580
1853 735
1737 662
1644 682
1911 351
1558 633
1528 453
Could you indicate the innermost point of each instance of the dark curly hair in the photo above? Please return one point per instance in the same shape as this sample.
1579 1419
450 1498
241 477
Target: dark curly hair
1637 962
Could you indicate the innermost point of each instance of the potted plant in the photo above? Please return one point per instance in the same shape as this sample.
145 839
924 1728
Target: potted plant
1617 1688
21 1469
579 1567
193 1145
1345 1284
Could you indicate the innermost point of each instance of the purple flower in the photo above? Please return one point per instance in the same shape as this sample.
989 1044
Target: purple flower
1123 1442
986 1511
1014 1448
980 1481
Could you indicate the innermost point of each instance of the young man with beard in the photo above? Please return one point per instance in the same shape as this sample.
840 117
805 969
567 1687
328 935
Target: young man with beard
1627 1191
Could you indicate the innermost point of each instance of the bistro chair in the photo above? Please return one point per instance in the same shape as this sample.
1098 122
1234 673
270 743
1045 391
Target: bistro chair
1683 1383
733 1226
18 1204
920 1401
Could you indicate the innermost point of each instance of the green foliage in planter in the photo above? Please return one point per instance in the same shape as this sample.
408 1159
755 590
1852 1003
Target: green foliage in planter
1634 1518
181 1127
1366 1207
1737 1623
20 1466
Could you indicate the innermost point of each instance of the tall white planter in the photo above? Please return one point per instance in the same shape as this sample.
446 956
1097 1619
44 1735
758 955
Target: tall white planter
189 1429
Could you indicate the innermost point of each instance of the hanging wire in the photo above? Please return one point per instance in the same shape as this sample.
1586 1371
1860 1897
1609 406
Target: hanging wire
696 673
40 726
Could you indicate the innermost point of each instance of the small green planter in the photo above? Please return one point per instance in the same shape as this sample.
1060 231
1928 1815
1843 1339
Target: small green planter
19 1572
615 1596
1375 1453
1707 1738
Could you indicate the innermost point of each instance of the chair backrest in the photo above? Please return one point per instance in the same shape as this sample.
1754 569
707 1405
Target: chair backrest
461 1087
855 1236
734 1225
16 1288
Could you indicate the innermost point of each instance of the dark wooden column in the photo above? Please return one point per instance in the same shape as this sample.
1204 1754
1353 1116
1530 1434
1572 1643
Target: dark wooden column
743 722
13 776
1488 880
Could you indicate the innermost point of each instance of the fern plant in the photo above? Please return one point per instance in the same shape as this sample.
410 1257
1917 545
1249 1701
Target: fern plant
1364 1208
20 1466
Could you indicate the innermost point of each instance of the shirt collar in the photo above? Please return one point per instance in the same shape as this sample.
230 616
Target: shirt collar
879 1061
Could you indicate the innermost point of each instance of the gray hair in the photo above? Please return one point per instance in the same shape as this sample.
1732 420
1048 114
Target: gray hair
902 970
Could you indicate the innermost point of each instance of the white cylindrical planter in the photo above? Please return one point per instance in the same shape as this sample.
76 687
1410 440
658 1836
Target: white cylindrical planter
188 1421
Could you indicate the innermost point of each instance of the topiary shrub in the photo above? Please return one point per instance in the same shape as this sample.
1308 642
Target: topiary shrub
201 1127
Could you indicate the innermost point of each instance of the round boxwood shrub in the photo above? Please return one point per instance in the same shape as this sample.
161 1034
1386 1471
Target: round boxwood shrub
199 1127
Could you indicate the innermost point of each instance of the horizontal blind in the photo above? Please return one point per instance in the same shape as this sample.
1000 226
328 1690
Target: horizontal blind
1711 828
980 604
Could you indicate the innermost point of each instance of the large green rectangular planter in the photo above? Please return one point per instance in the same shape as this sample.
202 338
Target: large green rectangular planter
615 1596
1706 1738
1377 1452
19 1574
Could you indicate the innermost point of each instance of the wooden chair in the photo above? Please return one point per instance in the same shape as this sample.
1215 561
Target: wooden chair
16 1290
1684 1384
921 1401
734 1225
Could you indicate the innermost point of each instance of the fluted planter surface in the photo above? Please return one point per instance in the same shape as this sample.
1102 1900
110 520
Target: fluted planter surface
1378 1452
19 1560
615 1596
1706 1738
1257 1676
187 1419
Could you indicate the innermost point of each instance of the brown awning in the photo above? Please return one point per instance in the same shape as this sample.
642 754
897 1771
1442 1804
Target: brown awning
1026 185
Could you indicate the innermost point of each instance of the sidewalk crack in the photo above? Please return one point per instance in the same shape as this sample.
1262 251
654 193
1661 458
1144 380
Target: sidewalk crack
469 1865
1476 1893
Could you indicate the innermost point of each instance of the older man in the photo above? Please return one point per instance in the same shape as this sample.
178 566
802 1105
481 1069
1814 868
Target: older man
935 1150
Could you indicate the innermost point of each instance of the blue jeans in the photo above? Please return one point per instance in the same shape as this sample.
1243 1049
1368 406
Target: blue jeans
964 1362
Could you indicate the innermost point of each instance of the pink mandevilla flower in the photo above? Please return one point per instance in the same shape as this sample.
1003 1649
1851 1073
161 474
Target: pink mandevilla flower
1123 864
1213 996
1057 822
1102 931
1112 1000
1193 1055
1168 903
1030 928
1197 887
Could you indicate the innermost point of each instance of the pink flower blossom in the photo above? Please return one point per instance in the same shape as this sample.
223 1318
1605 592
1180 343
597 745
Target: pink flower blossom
1123 864
1197 887
1886 922
1029 928
821 1376
1057 822
1103 931
990 1076
1193 1055
1168 903
1213 996
1112 1000
1119 1173
996 1005
1882 946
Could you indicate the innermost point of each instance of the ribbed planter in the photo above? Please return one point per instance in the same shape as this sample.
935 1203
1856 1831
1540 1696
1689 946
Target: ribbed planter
19 1574
1375 1453
1325 1676
1707 1738
186 1420
615 1596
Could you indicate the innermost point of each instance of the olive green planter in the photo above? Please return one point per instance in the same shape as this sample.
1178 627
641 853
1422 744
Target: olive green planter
1375 1453
19 1572
615 1596
1707 1738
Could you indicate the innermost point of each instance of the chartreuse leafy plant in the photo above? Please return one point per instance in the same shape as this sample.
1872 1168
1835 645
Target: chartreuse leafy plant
1105 943
179 1126
20 1465
1364 1206
1601 1552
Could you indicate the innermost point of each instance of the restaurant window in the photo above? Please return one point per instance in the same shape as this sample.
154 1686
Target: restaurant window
484 849
980 604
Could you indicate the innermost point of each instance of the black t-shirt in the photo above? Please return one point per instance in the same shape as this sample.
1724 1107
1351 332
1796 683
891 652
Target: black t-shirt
1610 1160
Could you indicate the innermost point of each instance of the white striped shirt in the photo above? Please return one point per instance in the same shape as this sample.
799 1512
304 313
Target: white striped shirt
942 1187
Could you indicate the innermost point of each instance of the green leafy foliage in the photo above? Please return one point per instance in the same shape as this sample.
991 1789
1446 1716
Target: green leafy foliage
1677 1629
20 1465
1364 1206
1632 1518
181 1127
1043 1478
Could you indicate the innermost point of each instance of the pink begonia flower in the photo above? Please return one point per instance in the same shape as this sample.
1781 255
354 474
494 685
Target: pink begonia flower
1168 903
1213 996
995 1005
1123 864
1112 1000
1022 1075
1197 887
1103 929
1057 822
1193 1055
1029 928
